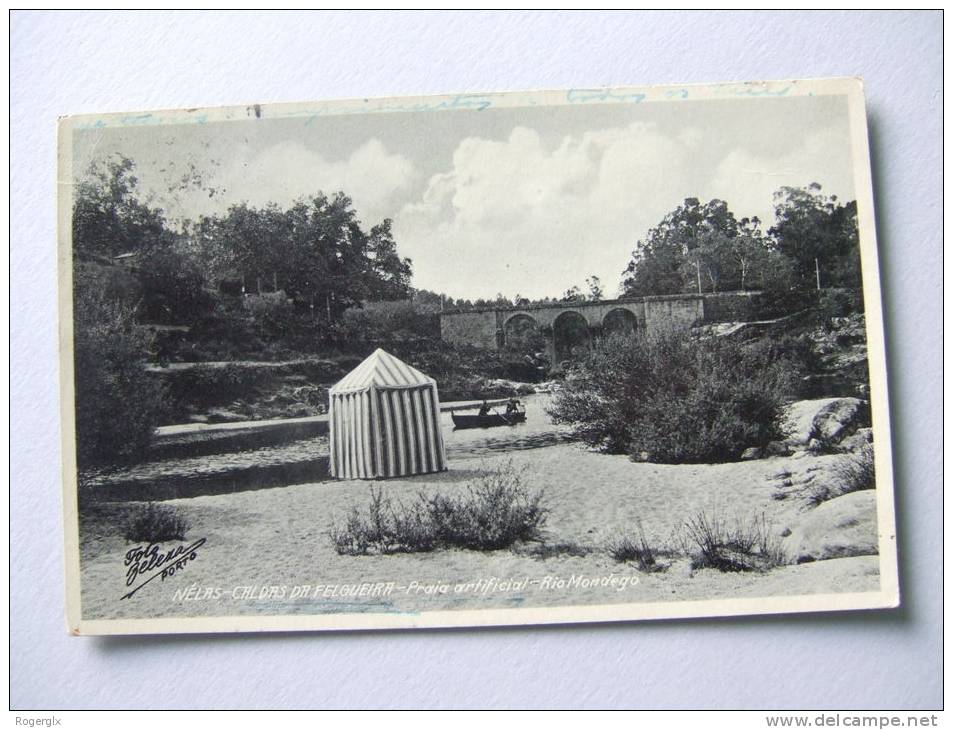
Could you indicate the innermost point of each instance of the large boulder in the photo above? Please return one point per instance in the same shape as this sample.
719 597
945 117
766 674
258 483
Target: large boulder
837 419
752 453
799 419
777 448
858 441
839 528
828 420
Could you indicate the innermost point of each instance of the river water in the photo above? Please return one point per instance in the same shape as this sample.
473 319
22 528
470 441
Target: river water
300 461
537 431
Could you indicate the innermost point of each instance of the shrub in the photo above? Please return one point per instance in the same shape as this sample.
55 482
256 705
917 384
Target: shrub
173 288
496 512
390 320
226 333
836 305
676 399
796 351
218 384
839 303
782 301
851 473
118 404
636 550
272 311
156 523
383 528
714 542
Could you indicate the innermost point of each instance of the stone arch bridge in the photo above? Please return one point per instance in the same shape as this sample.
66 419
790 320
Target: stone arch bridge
561 327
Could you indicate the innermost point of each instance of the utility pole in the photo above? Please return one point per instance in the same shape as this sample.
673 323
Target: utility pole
817 273
698 275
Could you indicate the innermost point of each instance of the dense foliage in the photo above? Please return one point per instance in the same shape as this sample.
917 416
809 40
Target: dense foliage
818 235
703 247
118 405
316 251
669 398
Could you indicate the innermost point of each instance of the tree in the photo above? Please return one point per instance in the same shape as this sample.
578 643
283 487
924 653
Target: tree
173 288
595 288
118 404
819 235
670 258
655 268
749 251
108 217
316 251
520 301
713 258
388 273
573 294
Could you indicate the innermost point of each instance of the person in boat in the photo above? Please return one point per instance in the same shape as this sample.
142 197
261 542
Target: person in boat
512 406
484 409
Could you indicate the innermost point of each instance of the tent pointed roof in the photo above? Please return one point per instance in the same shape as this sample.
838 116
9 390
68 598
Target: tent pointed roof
382 370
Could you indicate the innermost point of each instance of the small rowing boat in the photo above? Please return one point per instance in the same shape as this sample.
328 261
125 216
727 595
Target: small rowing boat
488 420
515 413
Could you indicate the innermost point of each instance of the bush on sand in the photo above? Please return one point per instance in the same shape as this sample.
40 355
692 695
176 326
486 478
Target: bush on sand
732 546
155 524
496 512
669 398
637 550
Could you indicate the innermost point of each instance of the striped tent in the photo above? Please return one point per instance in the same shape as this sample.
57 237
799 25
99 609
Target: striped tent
385 421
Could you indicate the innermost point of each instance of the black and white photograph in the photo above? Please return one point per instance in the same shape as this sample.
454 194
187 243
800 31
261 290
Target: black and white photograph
593 354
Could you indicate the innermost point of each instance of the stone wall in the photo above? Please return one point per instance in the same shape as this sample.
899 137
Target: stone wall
470 328
680 312
733 306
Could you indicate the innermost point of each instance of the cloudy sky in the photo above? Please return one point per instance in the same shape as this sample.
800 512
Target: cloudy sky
515 200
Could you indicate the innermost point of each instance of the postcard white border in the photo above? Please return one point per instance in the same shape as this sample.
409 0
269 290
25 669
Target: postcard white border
887 597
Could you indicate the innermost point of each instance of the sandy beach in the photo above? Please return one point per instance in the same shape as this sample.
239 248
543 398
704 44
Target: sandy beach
269 550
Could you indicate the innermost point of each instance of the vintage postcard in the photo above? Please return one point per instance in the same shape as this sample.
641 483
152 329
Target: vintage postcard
479 359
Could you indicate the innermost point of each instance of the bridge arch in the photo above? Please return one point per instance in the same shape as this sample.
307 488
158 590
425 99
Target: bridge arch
521 332
619 321
570 334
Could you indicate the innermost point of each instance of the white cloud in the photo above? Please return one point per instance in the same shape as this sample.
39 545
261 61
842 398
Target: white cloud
747 181
372 176
518 216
